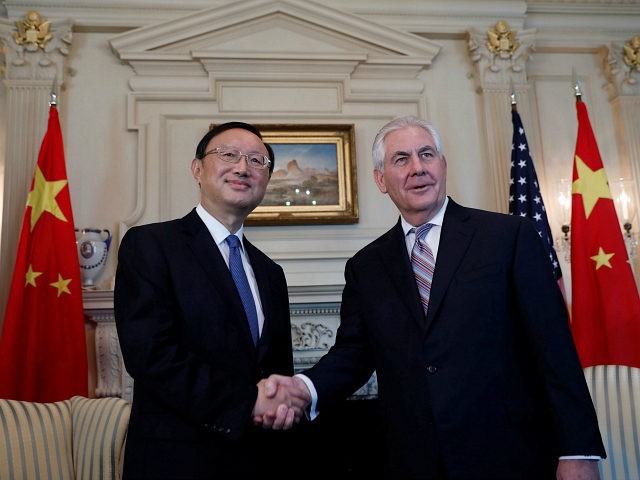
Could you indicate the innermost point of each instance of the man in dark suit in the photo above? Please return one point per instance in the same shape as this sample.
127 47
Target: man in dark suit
478 376
186 333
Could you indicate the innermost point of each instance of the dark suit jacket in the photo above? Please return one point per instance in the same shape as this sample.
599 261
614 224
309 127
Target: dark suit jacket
489 382
186 342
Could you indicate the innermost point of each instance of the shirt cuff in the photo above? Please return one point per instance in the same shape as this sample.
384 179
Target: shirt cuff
581 457
314 395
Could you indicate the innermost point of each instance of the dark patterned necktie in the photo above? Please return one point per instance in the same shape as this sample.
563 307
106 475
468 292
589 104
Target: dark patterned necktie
242 284
423 263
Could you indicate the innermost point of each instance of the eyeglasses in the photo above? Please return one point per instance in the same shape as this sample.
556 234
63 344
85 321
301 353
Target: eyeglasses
233 155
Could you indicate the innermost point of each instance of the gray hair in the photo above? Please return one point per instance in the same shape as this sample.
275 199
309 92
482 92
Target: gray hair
397 124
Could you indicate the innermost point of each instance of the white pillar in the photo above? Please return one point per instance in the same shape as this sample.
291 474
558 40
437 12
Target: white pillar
496 70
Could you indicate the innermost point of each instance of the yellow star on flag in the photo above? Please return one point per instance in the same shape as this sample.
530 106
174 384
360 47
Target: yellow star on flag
61 285
43 197
592 184
602 259
30 277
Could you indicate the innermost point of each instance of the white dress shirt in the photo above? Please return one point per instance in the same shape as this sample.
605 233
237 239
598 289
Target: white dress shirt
220 233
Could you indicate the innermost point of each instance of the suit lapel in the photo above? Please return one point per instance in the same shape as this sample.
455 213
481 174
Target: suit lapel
455 238
208 257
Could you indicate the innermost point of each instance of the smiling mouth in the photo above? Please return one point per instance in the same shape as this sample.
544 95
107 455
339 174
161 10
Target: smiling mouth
236 183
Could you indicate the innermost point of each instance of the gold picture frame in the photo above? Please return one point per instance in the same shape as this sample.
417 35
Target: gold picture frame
314 177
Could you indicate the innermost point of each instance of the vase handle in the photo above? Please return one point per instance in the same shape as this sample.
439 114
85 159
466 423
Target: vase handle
107 240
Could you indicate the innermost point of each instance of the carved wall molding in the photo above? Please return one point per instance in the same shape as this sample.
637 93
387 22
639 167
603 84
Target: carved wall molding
444 17
621 65
308 332
500 54
38 59
111 374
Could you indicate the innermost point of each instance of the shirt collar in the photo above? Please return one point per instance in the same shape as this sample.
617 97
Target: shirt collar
218 231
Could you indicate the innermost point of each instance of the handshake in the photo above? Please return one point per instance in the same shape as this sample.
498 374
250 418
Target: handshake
281 402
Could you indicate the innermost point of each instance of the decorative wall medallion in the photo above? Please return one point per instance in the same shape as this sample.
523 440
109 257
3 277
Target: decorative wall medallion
33 33
502 40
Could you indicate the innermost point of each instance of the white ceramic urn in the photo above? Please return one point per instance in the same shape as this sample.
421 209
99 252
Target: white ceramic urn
93 247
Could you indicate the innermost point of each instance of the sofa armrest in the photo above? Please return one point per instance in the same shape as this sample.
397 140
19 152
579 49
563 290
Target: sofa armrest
36 440
99 433
615 390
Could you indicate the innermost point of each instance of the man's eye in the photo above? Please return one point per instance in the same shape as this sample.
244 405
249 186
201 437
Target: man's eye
400 161
426 155
256 161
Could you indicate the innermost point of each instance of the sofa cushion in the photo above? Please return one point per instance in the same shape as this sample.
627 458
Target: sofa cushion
37 439
99 433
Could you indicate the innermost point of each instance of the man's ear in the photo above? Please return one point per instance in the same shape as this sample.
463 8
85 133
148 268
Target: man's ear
196 169
378 176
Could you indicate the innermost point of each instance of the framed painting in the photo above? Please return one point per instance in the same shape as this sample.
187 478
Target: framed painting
314 178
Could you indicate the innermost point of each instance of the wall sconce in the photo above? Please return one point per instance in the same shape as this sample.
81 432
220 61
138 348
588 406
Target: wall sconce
563 196
623 192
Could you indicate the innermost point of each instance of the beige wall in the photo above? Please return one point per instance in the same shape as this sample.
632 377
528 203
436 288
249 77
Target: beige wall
130 124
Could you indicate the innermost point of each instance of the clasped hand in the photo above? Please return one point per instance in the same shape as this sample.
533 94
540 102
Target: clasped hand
281 402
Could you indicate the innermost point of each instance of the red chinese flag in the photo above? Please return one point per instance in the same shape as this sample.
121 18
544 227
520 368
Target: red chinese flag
43 352
605 319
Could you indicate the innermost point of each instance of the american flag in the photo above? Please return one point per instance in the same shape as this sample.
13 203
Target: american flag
524 191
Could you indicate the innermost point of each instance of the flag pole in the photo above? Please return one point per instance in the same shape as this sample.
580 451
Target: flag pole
514 102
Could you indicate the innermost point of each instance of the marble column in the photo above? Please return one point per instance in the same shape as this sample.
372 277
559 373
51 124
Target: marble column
499 56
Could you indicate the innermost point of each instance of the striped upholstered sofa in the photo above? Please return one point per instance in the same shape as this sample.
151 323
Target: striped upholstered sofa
79 438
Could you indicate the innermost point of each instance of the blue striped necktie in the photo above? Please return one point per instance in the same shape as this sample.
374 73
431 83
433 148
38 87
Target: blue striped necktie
423 263
242 284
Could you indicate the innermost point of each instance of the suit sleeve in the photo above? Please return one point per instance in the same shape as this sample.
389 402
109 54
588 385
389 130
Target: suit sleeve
545 319
349 362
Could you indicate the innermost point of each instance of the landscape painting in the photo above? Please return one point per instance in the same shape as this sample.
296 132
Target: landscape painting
313 180
304 174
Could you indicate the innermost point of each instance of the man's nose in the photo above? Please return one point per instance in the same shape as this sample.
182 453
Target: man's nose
416 164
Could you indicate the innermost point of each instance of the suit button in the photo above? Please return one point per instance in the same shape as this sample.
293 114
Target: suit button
432 369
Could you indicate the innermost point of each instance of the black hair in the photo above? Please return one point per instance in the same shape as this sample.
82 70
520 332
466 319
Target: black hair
218 129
